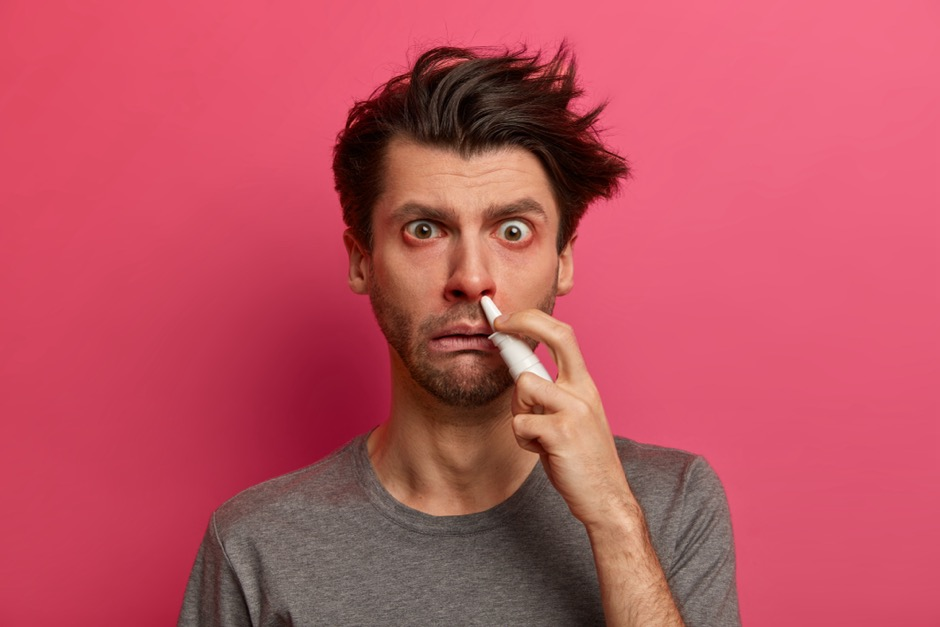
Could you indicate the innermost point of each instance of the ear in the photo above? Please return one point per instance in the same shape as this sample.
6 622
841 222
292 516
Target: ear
359 263
566 267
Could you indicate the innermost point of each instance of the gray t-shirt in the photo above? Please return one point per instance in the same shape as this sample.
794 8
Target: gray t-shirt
328 545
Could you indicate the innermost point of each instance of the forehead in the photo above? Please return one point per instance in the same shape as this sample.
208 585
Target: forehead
419 174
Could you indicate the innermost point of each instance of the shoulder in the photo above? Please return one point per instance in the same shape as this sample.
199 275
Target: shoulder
659 464
670 482
297 494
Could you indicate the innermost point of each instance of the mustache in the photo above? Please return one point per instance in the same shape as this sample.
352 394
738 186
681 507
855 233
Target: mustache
463 312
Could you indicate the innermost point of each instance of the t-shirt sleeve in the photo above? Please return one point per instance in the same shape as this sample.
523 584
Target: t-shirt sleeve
702 575
213 595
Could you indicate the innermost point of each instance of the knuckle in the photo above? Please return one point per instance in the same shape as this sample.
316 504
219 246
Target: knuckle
582 409
566 430
563 333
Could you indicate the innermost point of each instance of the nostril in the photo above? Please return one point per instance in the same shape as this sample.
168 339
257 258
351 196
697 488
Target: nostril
468 284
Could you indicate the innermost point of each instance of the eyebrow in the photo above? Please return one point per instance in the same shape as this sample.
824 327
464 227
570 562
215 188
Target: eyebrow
524 206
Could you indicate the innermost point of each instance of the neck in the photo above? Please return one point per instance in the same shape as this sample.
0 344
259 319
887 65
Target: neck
444 460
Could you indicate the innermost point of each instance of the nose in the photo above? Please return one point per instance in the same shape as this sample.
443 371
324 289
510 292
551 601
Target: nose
469 275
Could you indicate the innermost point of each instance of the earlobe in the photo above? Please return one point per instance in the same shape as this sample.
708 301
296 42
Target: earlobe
566 267
359 261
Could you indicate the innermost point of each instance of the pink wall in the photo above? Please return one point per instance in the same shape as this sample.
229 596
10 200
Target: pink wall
175 324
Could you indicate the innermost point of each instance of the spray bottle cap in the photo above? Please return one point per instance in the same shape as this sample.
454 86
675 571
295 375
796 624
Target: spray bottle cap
491 310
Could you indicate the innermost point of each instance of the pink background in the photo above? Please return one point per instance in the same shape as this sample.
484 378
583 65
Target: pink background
175 324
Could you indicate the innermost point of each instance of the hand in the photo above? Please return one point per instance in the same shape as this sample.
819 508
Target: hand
571 433
580 457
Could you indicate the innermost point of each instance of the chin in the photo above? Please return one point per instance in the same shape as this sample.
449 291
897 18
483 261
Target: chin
477 388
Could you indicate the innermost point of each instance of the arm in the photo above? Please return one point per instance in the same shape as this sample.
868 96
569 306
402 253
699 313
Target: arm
579 455
213 595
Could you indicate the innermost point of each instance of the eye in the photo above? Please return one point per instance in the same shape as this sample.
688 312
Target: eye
422 229
514 231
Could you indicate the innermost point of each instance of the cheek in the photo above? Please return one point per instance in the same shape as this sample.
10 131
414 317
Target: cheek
404 277
528 265
527 283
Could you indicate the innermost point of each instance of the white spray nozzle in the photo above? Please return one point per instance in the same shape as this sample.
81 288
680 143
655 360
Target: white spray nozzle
516 353
491 310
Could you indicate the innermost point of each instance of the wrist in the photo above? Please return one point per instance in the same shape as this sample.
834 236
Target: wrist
621 518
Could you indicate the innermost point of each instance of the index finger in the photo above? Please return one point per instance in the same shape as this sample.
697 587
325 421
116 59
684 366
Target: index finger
556 335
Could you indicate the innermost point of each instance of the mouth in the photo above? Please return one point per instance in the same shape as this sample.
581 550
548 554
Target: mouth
464 338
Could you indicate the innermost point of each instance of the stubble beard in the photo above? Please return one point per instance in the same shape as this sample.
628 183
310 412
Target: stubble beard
463 385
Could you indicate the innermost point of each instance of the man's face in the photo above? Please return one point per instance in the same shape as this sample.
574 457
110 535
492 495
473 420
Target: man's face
448 230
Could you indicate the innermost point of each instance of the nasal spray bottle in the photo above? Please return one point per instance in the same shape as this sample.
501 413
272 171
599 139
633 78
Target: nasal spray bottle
516 353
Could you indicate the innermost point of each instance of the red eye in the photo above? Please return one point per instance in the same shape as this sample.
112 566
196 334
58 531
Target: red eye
422 229
514 231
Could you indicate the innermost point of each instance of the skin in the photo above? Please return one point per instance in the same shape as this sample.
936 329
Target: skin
460 437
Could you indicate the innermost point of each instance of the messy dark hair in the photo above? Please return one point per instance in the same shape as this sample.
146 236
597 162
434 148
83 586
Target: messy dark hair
471 101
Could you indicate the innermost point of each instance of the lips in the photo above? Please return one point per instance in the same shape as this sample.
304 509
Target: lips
463 338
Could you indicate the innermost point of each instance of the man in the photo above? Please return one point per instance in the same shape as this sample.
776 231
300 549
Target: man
479 500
